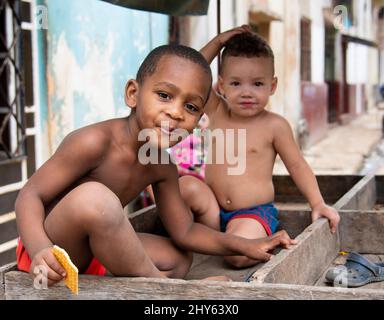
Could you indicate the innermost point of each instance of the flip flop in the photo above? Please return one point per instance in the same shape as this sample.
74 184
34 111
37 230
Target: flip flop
357 272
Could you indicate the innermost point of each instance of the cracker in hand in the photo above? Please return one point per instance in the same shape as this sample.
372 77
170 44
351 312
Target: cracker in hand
71 279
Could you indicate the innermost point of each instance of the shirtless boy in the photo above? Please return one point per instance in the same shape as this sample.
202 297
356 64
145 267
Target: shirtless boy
76 199
242 204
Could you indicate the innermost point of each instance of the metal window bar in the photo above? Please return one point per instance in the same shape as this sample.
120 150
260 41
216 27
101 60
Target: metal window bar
12 126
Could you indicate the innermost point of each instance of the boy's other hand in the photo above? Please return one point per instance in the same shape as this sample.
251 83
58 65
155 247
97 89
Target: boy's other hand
323 210
263 246
225 36
48 263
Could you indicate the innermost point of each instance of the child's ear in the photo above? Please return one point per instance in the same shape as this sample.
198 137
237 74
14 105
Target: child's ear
131 90
273 85
219 87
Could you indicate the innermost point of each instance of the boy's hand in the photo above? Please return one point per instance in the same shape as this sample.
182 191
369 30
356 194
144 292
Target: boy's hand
225 36
263 246
48 265
213 47
323 210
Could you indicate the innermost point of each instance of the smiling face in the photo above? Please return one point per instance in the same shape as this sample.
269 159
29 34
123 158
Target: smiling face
171 98
247 84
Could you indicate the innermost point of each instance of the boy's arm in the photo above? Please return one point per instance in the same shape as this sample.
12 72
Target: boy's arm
78 153
178 221
213 47
210 51
301 173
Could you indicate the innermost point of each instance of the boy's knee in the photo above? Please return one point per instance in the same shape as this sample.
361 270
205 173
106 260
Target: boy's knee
101 207
189 186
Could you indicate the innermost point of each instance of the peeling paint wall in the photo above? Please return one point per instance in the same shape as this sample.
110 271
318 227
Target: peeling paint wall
91 49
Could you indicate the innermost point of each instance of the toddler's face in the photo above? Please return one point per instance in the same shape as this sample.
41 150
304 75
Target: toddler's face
174 95
247 83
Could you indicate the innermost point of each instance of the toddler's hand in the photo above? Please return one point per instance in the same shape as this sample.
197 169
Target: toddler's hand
47 266
328 212
225 36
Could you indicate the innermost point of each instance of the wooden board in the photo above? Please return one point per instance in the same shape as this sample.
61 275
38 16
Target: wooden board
292 206
362 231
332 187
305 262
379 189
207 266
362 196
145 220
19 286
3 270
294 221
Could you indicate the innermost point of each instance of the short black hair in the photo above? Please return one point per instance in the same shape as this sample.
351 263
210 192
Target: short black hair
148 67
248 45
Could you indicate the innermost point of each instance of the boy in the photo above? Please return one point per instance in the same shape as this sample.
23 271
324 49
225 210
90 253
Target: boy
242 204
76 199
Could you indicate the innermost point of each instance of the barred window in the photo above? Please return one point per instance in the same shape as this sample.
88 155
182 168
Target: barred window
12 129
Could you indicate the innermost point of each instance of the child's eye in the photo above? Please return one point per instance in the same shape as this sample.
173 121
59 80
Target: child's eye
258 84
191 107
234 83
164 96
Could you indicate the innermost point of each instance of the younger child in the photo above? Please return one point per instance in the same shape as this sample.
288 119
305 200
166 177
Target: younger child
242 204
76 199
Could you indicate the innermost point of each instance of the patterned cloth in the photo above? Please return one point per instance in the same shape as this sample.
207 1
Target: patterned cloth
190 156
266 214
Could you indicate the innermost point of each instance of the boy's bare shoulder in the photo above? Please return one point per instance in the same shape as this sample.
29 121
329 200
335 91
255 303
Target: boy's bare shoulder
276 121
93 139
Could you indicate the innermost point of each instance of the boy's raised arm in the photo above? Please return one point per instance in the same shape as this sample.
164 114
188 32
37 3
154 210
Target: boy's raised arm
301 173
213 47
197 237
210 51
76 155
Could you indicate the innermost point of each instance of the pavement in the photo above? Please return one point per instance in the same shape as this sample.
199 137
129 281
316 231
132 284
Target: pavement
353 148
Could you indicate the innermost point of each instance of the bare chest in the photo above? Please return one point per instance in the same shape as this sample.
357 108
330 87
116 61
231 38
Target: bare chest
124 177
246 140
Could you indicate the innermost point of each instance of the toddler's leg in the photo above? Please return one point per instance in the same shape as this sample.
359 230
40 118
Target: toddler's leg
90 221
201 200
246 228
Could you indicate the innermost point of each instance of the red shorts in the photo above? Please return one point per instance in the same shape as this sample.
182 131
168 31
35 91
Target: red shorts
24 262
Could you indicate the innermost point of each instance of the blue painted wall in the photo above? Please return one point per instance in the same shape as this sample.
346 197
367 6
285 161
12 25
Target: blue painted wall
89 51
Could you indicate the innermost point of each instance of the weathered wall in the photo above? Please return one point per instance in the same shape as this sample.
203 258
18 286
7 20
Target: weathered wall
92 48
314 103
